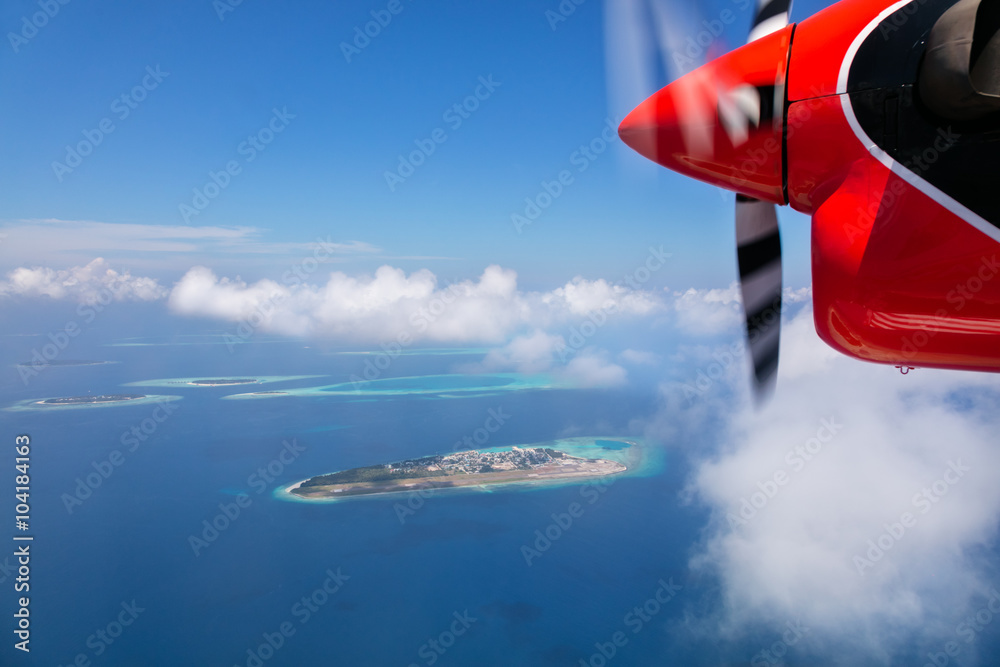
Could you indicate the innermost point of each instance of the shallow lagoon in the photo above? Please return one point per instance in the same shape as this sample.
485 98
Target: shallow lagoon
437 386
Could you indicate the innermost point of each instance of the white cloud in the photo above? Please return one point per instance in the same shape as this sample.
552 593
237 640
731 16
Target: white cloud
592 369
52 241
716 311
794 559
581 296
541 352
532 353
391 303
90 283
708 311
639 357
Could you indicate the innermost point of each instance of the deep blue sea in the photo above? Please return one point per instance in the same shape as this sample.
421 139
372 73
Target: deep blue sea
444 581
129 575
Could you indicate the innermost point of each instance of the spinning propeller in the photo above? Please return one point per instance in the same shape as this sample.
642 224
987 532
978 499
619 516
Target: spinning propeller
724 123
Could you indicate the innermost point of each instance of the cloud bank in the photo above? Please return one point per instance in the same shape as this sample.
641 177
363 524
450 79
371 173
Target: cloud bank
96 281
858 503
540 352
391 304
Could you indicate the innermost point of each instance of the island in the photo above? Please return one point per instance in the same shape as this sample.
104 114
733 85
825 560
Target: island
55 363
459 469
87 400
220 381
90 402
223 382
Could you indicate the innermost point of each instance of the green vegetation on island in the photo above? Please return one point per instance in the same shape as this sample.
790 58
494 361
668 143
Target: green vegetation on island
103 398
468 468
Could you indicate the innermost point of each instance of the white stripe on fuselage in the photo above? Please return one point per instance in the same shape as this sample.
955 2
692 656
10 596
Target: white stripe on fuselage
928 189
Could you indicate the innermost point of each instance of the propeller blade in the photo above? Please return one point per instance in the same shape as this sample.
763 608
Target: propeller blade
771 16
645 48
758 248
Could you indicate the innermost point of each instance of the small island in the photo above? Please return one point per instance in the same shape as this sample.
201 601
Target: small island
57 363
460 469
219 381
222 382
87 400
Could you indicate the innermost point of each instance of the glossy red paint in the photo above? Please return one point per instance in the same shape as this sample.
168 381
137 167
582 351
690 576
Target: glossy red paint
897 277
900 275
822 42
708 124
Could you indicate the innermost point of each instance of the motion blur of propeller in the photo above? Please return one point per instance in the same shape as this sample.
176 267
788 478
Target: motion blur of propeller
723 123
758 247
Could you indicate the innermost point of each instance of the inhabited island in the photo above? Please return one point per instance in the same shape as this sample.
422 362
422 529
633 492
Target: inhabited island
468 468
86 400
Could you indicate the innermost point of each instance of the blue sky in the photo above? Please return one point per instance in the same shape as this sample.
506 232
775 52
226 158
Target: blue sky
324 174
322 177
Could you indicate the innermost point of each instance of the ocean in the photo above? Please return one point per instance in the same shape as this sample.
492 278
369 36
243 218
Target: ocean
160 540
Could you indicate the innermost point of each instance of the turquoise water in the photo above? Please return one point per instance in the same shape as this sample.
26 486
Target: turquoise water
410 570
441 386
611 444
259 379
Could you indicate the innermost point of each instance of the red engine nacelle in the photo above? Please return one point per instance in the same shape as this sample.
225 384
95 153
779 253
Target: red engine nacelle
906 226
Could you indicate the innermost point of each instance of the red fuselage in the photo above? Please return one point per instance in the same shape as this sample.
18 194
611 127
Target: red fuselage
905 219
